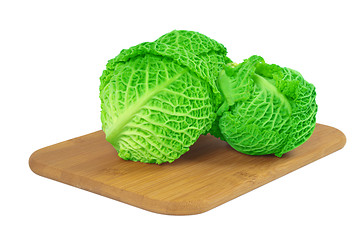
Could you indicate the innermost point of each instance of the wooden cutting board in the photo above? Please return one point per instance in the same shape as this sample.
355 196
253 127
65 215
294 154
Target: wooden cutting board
210 174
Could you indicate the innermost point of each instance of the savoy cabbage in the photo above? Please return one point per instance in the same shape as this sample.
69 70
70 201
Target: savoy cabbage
266 110
158 97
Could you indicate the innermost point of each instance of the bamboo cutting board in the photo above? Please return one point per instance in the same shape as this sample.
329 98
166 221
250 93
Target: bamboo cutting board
210 174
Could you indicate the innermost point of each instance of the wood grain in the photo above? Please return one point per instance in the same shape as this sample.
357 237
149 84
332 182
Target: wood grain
210 174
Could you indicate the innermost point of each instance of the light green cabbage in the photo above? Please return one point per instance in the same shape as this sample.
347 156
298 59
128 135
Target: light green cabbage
266 110
158 97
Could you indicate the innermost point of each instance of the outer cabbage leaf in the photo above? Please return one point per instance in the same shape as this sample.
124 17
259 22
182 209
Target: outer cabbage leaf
266 110
158 97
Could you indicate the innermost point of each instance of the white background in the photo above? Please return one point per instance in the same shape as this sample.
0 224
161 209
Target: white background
52 54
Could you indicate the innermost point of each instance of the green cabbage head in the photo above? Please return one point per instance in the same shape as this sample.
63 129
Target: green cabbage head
158 97
267 109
